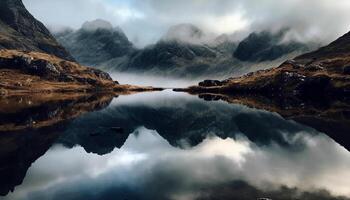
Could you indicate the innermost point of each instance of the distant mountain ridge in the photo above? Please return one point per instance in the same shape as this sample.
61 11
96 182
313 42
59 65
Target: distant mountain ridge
263 46
96 42
21 31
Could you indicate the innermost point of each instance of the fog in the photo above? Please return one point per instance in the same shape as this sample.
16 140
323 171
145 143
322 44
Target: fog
146 21
153 80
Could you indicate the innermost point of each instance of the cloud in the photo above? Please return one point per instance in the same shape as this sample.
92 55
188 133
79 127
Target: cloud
145 21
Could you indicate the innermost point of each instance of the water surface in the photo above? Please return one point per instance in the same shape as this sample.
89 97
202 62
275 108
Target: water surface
168 145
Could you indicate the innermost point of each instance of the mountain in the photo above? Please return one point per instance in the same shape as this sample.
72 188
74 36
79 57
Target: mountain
183 51
265 46
169 54
95 42
322 74
21 31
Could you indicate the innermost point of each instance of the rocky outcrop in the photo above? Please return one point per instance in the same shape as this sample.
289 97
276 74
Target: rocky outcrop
21 31
210 83
95 43
38 72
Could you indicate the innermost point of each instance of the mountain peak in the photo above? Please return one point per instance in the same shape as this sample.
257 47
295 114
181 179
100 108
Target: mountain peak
184 33
266 46
97 24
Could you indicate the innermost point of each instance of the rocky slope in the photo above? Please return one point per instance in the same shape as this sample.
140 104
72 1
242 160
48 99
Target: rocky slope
324 72
265 46
95 42
21 31
22 72
32 61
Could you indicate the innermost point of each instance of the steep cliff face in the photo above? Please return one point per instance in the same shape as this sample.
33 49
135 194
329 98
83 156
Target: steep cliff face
21 31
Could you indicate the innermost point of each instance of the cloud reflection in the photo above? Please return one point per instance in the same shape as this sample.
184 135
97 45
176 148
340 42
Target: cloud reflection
148 167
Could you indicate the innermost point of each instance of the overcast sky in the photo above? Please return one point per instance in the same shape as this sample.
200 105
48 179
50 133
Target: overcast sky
144 21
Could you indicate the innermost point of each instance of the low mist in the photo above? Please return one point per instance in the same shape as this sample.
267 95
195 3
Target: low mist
153 80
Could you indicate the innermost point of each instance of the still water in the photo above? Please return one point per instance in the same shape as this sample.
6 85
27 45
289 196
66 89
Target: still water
167 145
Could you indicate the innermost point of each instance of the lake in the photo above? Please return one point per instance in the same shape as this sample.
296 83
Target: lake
168 145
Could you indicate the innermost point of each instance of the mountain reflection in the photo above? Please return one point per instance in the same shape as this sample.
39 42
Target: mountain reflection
30 125
148 167
170 146
182 120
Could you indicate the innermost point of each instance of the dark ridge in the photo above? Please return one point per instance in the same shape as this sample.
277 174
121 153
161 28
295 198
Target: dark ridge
19 30
339 47
266 46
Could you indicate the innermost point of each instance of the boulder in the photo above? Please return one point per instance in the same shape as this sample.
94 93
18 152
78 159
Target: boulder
100 74
22 61
41 68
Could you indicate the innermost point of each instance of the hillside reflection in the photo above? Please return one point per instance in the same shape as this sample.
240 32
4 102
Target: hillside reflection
168 145
148 167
